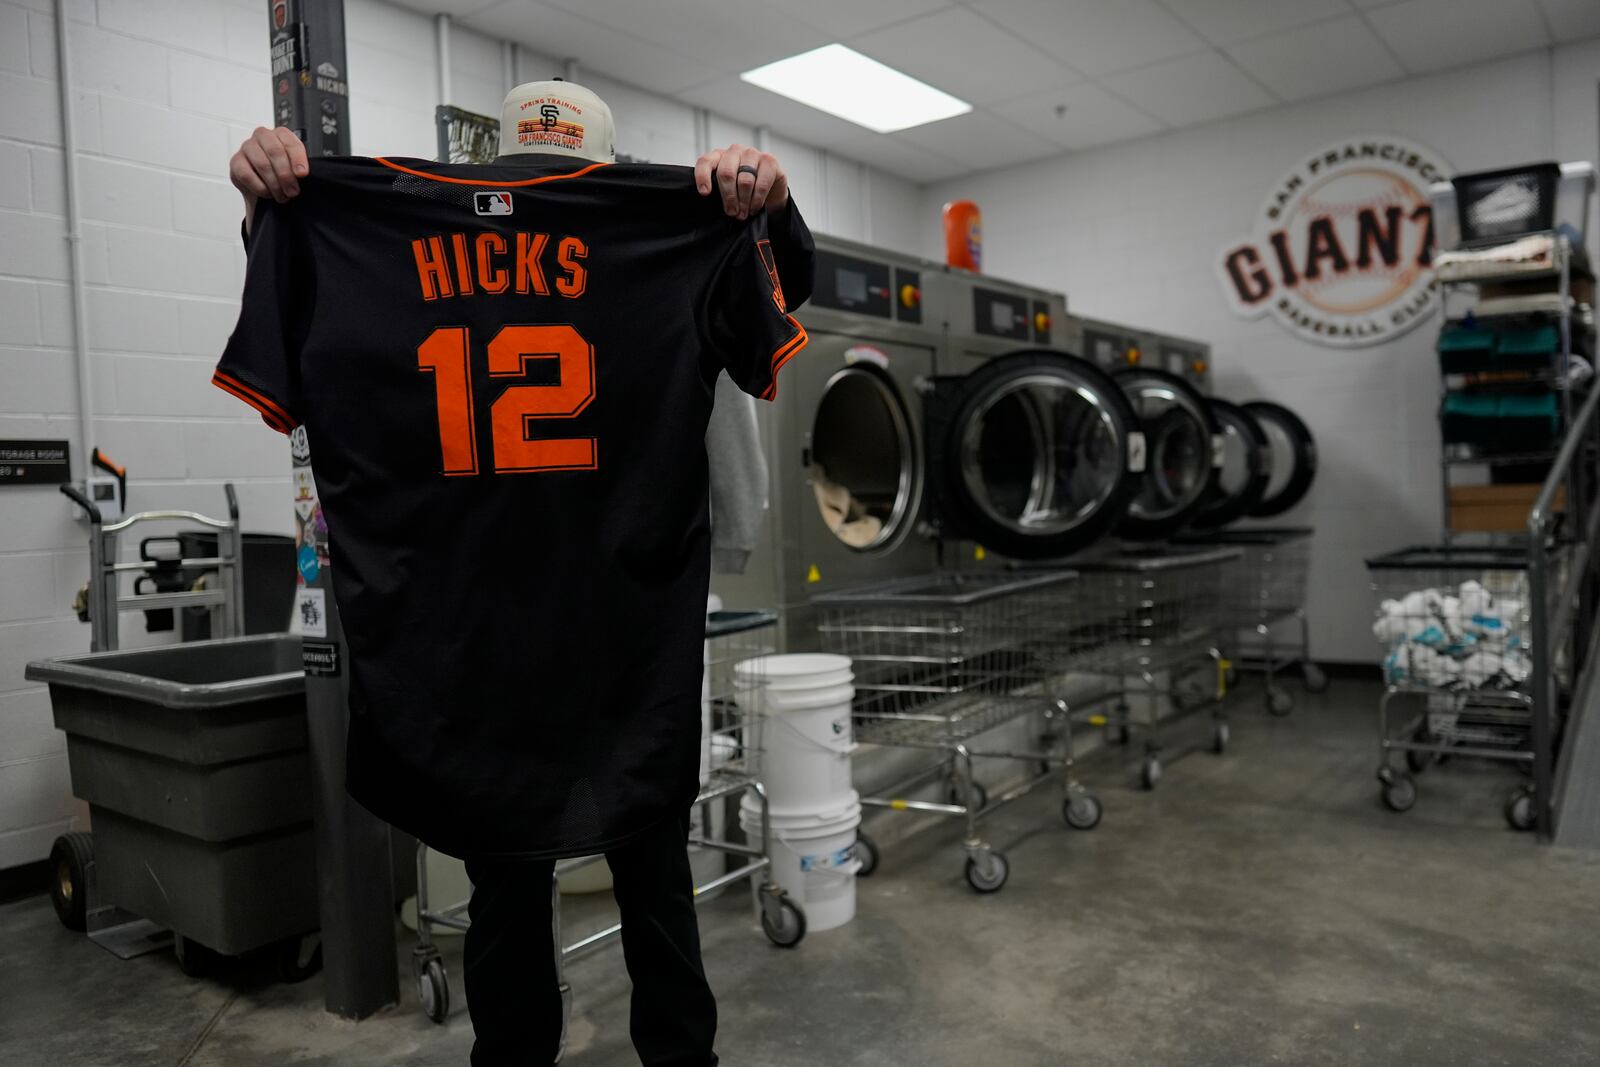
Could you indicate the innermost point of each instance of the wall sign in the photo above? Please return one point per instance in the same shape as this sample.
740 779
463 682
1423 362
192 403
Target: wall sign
34 463
1343 245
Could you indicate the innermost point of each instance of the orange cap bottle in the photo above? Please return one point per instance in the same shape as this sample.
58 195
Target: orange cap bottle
963 235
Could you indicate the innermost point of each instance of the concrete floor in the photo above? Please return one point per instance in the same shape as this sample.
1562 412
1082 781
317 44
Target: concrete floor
1257 908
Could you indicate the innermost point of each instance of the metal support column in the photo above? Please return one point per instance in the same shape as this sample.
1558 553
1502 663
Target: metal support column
355 881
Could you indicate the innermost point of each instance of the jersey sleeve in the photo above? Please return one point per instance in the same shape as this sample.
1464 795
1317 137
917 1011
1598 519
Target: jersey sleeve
260 364
745 318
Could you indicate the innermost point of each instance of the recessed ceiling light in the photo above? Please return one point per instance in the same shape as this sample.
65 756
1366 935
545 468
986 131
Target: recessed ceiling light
857 88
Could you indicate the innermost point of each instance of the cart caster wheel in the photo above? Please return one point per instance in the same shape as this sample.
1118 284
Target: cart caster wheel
980 795
1399 792
70 858
298 958
433 990
1150 773
1221 736
1316 678
194 959
1083 811
992 880
867 853
1279 702
789 926
1520 811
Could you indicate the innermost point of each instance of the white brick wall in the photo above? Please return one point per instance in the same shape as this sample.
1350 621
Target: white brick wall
1130 232
164 91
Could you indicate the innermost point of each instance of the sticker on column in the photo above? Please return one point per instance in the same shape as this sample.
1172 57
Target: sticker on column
1136 454
299 446
1219 450
313 611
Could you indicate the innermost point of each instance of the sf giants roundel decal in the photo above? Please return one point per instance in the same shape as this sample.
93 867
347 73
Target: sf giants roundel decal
1343 245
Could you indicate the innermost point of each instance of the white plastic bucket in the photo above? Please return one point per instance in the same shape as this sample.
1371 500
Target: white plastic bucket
801 705
813 857
798 670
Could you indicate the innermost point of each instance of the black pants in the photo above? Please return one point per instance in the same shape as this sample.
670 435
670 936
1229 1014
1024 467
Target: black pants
512 991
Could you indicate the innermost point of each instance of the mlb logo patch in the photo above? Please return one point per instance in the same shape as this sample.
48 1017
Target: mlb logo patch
492 203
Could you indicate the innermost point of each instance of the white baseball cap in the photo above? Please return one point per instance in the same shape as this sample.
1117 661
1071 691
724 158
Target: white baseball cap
558 118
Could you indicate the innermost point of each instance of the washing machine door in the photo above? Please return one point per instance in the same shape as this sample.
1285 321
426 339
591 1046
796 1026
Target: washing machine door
863 455
1183 446
1294 458
1034 455
1246 468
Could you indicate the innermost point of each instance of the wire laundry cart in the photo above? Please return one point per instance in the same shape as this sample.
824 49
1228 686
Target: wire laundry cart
1457 628
730 762
938 661
1145 621
1265 589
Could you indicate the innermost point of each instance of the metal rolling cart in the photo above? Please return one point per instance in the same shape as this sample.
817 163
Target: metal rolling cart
938 661
1150 617
1470 633
1265 589
731 636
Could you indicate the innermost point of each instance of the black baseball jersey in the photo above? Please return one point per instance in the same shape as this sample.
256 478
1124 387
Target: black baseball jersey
505 374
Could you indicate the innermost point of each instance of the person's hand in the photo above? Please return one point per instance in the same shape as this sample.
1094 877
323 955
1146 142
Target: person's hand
269 163
748 180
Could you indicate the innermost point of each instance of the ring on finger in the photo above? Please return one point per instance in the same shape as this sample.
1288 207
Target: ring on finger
747 169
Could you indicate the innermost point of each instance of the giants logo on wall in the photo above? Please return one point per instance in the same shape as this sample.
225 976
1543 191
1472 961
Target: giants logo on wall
1343 246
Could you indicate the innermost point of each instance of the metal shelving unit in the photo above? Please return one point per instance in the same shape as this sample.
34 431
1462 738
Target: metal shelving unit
1554 377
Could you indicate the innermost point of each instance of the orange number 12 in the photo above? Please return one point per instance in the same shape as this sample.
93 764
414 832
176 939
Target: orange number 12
444 355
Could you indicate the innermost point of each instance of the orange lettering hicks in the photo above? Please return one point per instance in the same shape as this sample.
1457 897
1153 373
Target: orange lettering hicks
464 264
530 246
568 253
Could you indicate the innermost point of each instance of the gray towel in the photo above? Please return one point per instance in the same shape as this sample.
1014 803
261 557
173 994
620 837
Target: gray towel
738 478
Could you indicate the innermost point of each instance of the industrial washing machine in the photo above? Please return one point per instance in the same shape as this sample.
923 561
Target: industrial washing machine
931 422
844 439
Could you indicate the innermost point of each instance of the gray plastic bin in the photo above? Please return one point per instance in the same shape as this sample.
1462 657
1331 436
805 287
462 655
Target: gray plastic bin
193 761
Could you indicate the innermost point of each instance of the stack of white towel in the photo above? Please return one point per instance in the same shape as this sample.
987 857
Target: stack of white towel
1464 638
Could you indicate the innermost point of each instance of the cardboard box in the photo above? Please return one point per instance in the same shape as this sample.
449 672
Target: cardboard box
1494 508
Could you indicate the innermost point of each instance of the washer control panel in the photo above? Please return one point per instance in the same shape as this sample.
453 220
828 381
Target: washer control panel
999 314
849 283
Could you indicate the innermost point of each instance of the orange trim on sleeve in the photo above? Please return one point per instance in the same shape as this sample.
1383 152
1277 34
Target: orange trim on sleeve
481 184
271 413
788 351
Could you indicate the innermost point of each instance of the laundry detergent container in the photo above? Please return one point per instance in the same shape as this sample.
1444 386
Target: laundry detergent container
193 760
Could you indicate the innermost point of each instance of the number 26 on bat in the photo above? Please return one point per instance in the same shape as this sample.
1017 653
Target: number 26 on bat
513 414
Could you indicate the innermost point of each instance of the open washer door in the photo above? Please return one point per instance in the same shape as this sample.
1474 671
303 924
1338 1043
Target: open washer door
1246 468
1035 455
1183 441
1294 458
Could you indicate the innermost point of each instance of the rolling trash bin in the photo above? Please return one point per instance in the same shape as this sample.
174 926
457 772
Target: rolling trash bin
192 759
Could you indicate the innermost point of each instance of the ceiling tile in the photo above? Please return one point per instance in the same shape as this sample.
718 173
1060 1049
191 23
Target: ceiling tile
1572 20
981 139
1095 36
1091 117
1194 89
899 158
1227 21
563 35
1437 34
846 18
1318 60
740 100
725 37
939 48
455 8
